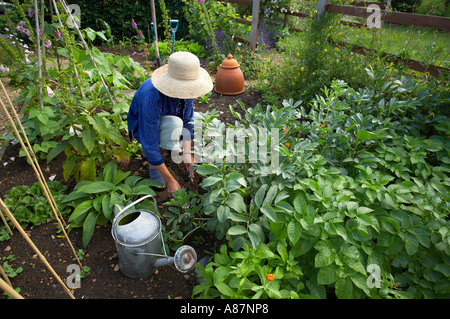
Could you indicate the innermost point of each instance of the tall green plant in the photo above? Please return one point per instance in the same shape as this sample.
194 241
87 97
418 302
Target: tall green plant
94 201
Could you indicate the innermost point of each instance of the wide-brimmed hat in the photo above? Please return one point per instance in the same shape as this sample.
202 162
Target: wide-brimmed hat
182 77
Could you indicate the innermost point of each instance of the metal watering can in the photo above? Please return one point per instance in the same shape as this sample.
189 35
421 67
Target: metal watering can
140 243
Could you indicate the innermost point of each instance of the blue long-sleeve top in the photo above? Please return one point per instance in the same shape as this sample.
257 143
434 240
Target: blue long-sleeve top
144 115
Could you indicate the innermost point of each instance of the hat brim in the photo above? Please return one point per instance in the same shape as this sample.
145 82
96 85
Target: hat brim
181 89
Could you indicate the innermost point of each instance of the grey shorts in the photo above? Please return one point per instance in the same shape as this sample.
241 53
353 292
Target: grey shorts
170 131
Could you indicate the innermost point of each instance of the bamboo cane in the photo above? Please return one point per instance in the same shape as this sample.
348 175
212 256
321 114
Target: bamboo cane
9 290
43 38
5 276
38 48
69 14
52 204
6 223
74 67
28 240
38 173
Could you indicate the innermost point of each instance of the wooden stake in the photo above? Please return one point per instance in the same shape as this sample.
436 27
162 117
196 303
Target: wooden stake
74 67
52 202
5 276
36 168
38 48
69 14
321 9
255 23
5 222
28 240
9 290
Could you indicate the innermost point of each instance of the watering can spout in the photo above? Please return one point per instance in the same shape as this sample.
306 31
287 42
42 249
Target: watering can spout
184 260
163 262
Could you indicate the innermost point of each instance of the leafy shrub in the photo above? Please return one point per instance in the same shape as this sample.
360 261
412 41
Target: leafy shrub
30 206
93 201
182 219
357 208
118 14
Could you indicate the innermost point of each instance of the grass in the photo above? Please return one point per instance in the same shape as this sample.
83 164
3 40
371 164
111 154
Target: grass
417 43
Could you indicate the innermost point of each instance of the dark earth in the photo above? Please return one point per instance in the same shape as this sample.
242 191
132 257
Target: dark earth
105 280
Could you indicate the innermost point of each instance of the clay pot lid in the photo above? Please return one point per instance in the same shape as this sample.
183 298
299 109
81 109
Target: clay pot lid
229 62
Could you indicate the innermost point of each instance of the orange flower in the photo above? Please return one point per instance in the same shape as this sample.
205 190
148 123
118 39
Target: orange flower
285 131
287 144
270 277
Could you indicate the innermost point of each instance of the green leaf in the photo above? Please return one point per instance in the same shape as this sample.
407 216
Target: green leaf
96 187
87 169
68 167
344 288
236 202
256 235
106 207
211 180
323 258
89 227
341 231
142 190
88 138
120 176
259 196
224 288
411 244
326 276
75 197
237 230
269 212
422 235
294 231
364 210
55 151
207 169
364 135
390 225
270 196
109 172
222 213
81 210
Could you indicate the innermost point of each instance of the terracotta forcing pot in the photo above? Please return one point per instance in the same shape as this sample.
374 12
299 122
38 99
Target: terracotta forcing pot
229 77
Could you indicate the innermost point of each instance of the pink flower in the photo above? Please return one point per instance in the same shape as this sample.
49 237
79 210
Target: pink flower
139 35
4 69
133 24
49 43
58 35
200 1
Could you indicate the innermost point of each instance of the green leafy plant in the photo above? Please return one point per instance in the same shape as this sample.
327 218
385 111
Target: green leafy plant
361 192
30 206
10 271
182 218
94 201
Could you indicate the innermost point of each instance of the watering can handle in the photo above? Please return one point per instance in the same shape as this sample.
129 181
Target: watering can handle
134 203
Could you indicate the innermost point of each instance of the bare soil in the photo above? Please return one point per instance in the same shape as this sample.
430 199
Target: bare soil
105 281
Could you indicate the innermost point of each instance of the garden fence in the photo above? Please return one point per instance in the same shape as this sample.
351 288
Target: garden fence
359 10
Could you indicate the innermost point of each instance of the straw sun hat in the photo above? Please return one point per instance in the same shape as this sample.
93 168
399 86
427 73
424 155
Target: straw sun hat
182 77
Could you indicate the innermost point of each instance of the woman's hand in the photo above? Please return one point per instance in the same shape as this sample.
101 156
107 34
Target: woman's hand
188 160
172 186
